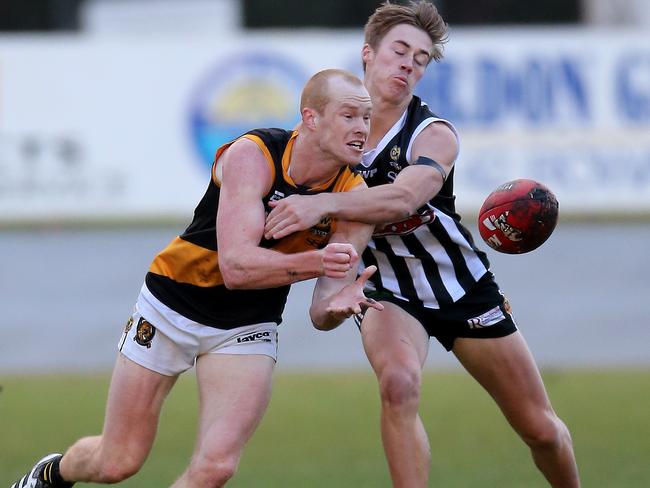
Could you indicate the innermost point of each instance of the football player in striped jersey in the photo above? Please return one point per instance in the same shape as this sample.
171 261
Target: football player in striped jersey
431 277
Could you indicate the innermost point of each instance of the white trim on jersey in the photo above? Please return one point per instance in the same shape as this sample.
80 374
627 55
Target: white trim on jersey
369 157
424 124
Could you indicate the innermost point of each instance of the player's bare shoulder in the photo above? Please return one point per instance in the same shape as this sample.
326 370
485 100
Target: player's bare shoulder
437 141
243 157
242 151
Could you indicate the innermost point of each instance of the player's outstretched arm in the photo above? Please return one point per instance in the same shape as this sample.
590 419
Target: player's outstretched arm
245 179
333 307
333 300
414 186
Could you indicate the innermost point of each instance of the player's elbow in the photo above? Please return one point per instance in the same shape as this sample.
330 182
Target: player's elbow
404 203
233 280
233 274
322 322
323 325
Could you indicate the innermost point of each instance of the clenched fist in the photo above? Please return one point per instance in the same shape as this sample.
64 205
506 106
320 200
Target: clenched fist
337 259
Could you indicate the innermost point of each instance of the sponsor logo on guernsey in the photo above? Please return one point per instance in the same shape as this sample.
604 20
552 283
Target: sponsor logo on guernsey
255 337
405 226
277 195
322 228
491 317
367 173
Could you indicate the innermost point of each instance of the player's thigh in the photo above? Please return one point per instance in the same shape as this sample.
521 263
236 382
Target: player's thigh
505 367
393 336
135 399
234 391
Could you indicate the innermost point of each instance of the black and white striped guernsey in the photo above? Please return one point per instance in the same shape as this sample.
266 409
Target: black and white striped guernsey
430 258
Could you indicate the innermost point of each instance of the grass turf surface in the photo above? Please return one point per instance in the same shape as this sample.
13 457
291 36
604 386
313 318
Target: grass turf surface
322 430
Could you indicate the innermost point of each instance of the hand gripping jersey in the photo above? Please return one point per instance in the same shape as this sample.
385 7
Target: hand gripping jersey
185 276
429 258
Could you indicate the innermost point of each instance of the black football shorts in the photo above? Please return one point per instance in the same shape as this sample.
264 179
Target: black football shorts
484 312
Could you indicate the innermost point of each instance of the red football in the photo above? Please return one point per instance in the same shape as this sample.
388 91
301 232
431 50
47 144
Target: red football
518 216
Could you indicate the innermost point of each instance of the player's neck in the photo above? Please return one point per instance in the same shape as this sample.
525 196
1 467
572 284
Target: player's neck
385 113
308 166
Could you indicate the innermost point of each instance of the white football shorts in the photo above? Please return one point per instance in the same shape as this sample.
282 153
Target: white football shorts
162 340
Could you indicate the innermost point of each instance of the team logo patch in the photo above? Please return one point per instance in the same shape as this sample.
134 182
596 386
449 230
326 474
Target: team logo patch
395 152
491 317
144 333
394 156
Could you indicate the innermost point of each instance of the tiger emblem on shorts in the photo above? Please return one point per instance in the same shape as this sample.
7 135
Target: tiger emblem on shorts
144 333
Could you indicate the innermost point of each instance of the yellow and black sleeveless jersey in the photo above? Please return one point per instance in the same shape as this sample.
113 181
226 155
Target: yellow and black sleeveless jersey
185 276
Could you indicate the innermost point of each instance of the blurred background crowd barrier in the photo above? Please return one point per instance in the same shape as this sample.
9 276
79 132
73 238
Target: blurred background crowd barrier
116 111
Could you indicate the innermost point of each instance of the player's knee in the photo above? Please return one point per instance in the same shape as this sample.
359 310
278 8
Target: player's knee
212 472
400 387
118 465
547 432
115 471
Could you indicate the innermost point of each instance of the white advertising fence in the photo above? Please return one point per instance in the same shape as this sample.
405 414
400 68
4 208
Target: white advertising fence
94 128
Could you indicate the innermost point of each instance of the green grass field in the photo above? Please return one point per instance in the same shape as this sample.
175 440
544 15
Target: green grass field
321 430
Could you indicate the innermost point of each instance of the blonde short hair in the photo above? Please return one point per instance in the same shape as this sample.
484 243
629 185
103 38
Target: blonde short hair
423 15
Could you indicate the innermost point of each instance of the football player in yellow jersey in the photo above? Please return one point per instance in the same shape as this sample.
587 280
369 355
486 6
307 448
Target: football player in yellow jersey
214 297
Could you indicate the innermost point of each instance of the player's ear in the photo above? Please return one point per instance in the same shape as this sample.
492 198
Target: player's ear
309 118
366 53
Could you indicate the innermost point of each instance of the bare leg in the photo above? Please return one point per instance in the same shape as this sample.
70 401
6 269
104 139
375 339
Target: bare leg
135 398
234 393
396 346
506 369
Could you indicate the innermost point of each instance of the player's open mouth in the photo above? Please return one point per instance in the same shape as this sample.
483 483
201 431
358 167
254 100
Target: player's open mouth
358 145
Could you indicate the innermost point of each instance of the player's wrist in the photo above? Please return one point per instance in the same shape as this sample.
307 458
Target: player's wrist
329 205
319 267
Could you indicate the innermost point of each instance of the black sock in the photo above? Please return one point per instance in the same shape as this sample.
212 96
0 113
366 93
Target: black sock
51 475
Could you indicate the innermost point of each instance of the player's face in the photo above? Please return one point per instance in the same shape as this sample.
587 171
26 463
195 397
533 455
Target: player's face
345 122
398 63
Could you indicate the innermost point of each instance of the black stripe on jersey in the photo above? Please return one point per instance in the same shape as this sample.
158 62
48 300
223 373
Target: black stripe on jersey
452 249
275 141
202 230
235 308
402 273
430 268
